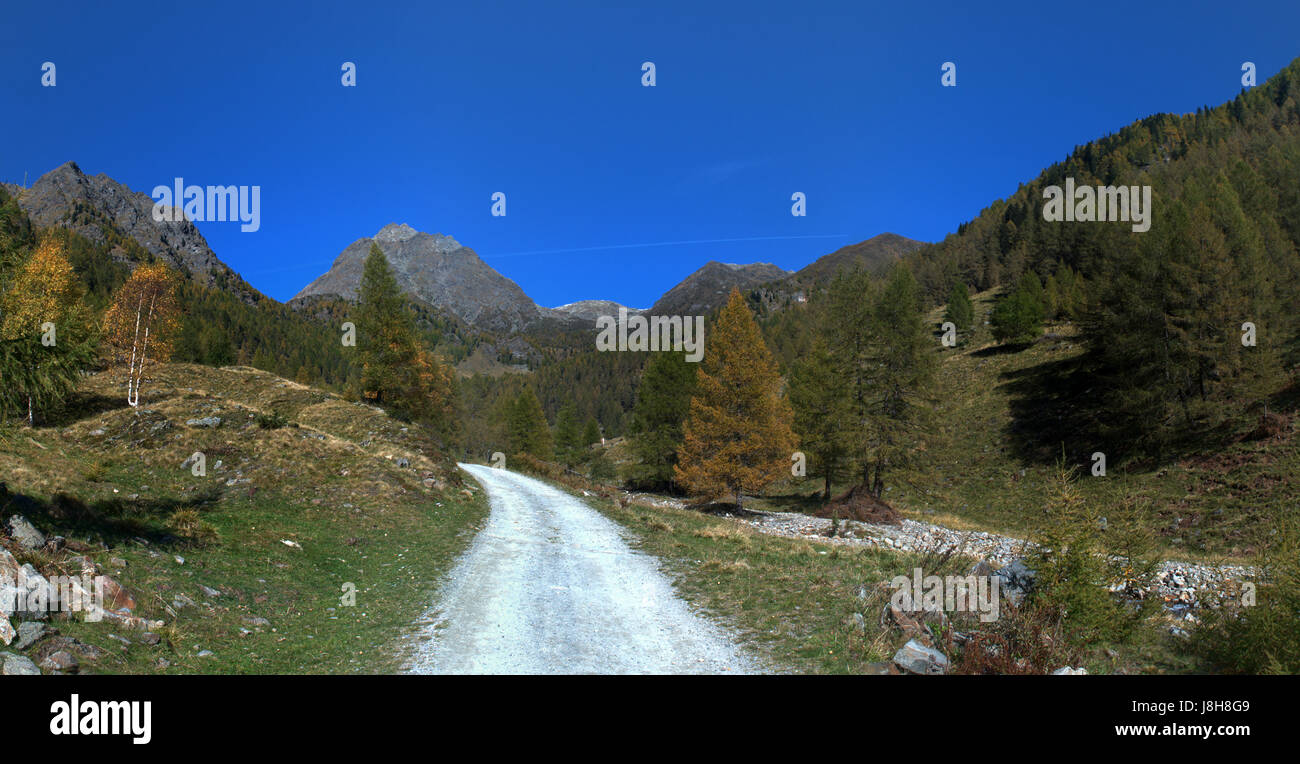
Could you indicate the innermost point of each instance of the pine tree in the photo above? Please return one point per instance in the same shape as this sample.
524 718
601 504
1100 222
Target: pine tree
960 311
142 322
663 400
568 446
821 405
527 429
385 335
590 433
397 372
737 437
904 360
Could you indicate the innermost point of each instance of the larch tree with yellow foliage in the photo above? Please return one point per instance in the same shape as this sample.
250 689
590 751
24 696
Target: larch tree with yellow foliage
141 324
46 337
737 438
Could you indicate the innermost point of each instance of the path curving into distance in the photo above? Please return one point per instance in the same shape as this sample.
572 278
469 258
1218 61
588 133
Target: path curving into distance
551 586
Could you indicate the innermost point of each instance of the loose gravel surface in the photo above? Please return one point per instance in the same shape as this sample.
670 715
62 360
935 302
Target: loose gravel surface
551 586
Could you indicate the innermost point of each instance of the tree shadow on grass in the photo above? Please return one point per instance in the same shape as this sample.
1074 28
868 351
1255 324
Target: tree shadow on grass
1056 409
112 521
81 406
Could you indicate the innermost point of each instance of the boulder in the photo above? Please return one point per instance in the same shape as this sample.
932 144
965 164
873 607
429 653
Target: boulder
916 658
26 534
1015 581
29 633
12 664
61 661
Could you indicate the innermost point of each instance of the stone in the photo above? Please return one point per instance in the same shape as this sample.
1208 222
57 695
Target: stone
916 658
26 534
150 638
880 668
29 633
61 661
207 421
12 664
1068 671
7 632
116 597
208 591
403 462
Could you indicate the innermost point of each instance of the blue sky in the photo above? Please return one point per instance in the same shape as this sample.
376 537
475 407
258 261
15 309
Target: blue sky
543 101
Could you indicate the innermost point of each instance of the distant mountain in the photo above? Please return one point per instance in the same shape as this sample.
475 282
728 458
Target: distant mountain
107 212
436 270
707 288
589 310
874 254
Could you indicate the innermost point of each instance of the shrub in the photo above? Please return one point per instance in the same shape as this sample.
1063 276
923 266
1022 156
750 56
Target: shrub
1259 635
192 529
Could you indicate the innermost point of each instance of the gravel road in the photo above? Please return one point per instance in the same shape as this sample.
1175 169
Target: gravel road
550 586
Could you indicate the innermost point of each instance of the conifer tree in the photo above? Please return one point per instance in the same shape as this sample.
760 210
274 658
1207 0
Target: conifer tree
960 311
590 433
737 437
397 372
663 399
568 445
821 404
904 359
385 334
526 427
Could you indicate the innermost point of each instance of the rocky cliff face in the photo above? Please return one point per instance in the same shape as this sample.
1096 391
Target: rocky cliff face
437 270
101 209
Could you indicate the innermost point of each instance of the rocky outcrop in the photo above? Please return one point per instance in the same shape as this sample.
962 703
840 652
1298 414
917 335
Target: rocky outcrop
105 211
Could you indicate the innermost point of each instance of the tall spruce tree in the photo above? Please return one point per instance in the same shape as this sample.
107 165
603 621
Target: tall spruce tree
737 438
904 361
821 405
663 400
527 428
960 311
397 372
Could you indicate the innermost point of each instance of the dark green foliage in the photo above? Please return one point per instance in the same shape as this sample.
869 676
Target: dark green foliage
960 311
663 400
568 437
1083 551
885 357
821 404
526 427
1018 317
590 433
385 334
1257 630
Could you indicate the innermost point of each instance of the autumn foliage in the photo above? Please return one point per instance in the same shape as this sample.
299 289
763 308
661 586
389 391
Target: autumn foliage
45 340
140 325
737 436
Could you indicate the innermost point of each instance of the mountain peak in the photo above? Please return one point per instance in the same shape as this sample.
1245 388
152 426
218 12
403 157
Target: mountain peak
436 270
396 232
708 287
